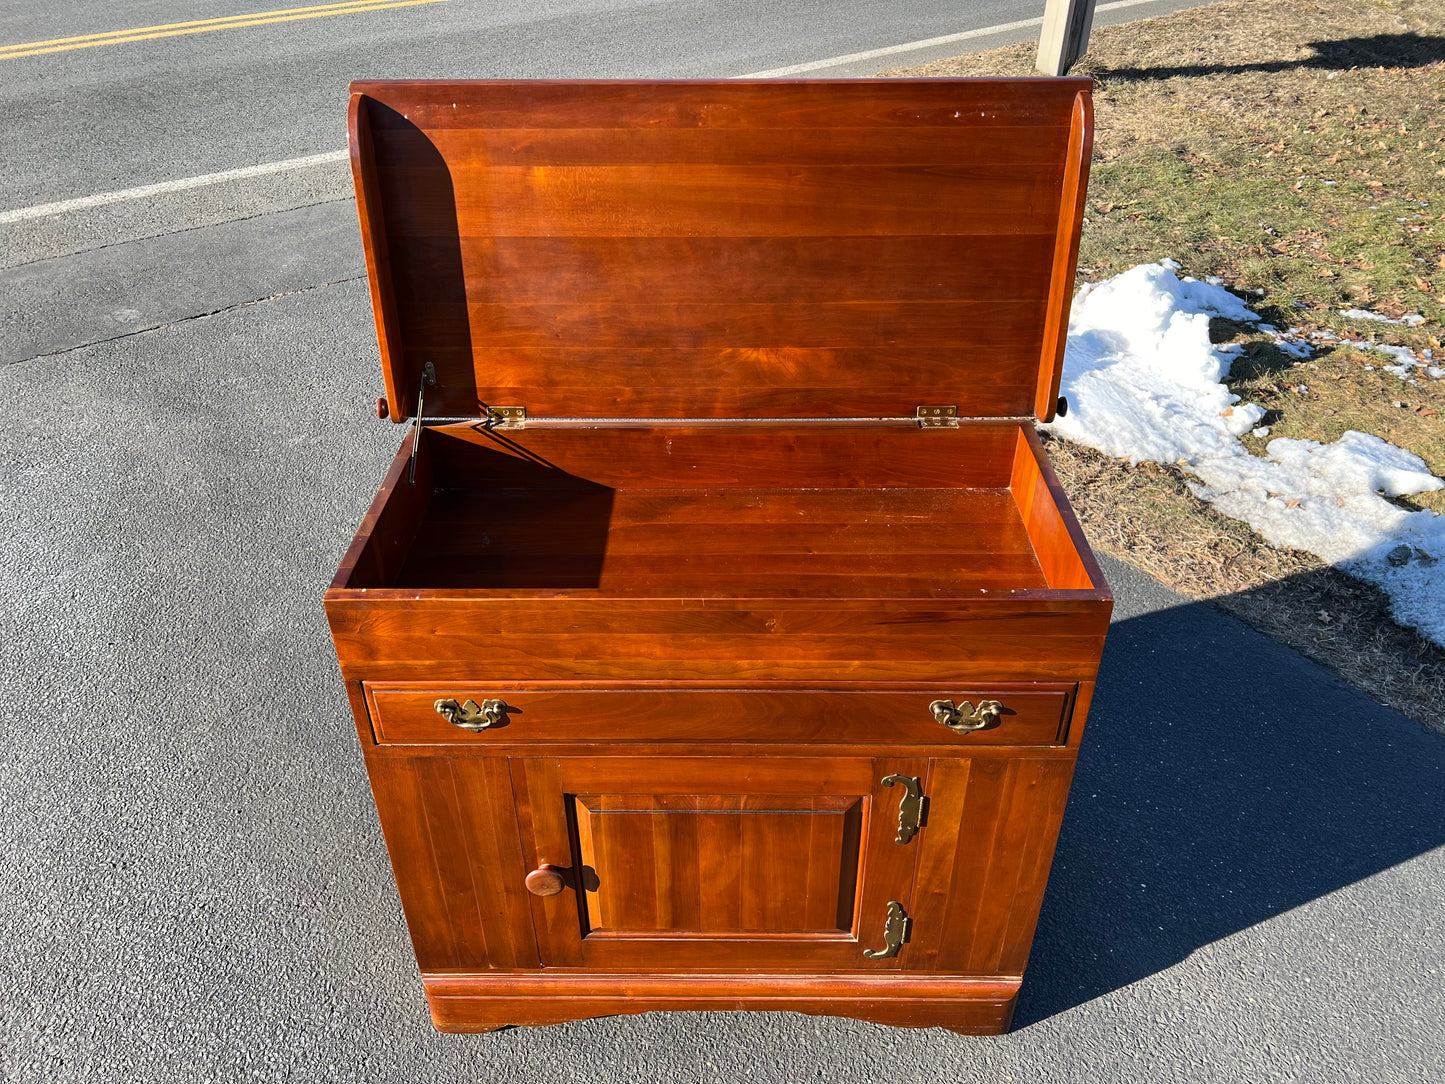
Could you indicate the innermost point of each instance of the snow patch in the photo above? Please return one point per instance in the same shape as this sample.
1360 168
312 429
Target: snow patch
1406 360
1408 364
1413 319
1144 383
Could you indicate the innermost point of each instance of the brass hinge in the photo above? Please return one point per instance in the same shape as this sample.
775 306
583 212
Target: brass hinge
506 417
897 928
910 809
937 417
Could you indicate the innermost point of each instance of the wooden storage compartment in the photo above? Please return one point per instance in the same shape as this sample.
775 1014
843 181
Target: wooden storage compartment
961 558
778 513
683 869
720 636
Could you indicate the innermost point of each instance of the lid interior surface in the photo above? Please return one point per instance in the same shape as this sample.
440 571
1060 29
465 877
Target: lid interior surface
722 249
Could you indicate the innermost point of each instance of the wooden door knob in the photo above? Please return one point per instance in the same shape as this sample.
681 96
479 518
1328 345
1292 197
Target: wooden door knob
546 881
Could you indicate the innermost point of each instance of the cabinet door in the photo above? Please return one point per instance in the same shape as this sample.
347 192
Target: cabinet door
715 861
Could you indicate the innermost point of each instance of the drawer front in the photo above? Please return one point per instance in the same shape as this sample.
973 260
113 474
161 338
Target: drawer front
502 713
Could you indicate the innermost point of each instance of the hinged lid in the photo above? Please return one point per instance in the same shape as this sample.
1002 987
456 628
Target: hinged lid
728 249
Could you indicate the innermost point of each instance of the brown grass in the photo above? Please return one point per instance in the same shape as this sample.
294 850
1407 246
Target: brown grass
1147 516
1217 130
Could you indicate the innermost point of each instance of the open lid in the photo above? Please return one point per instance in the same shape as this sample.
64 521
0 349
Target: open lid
722 249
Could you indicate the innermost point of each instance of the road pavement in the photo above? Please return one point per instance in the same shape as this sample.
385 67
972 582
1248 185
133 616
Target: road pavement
1249 878
147 112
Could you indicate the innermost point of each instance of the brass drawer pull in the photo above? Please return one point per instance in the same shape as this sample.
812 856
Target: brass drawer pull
895 932
910 809
474 717
961 720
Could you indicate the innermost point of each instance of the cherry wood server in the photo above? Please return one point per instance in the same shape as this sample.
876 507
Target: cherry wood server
720 637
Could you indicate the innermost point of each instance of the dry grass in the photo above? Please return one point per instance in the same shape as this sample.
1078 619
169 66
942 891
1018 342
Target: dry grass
1147 516
1296 149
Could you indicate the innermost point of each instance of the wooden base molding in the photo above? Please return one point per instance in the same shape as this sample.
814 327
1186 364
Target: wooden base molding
469 1003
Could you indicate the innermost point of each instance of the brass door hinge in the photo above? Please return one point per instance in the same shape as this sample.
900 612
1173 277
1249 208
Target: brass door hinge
910 809
897 928
505 417
937 417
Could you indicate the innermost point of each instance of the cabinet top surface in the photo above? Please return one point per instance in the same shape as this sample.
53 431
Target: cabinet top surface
722 249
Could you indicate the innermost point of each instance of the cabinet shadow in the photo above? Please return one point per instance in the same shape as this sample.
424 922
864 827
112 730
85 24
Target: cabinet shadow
502 517
422 255
1223 780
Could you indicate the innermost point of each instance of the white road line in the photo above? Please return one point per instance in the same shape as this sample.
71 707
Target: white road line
101 199
926 43
908 47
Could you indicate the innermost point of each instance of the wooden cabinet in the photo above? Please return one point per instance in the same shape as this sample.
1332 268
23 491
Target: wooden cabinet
720 636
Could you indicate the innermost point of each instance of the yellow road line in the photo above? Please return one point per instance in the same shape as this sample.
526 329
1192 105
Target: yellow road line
194 22
203 26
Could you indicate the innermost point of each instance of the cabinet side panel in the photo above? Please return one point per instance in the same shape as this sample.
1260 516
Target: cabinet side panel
1054 545
452 836
452 858
990 838
397 789
1050 794
489 826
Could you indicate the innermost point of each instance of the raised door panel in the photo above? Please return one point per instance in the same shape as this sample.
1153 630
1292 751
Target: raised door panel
716 862
451 829
721 865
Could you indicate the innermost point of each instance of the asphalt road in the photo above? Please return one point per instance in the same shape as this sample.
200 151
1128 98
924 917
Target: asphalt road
1249 879
279 91
99 119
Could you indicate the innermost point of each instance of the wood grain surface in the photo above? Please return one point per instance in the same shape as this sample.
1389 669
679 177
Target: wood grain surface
580 714
792 513
471 1002
757 863
451 830
527 239
984 861
715 643
705 865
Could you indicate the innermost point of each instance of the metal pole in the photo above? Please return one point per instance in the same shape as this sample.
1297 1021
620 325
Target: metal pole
1065 34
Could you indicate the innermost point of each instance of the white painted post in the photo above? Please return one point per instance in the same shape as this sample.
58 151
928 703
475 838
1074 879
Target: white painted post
1065 34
